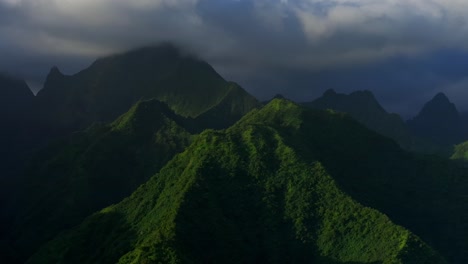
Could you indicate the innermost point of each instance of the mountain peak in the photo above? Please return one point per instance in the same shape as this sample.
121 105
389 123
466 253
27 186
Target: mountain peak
441 98
329 92
439 121
54 74
279 96
439 102
53 83
160 52
55 71
360 101
364 107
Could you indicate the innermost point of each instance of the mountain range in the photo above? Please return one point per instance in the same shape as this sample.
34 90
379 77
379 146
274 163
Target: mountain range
248 194
363 106
111 85
65 169
434 130
150 156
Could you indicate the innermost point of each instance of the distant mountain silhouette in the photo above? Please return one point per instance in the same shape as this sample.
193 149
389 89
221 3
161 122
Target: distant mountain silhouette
363 106
14 93
438 121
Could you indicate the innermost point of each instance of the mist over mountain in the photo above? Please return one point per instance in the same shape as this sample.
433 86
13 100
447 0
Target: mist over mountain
113 84
152 138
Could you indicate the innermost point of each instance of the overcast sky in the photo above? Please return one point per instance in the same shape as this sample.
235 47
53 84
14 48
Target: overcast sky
405 51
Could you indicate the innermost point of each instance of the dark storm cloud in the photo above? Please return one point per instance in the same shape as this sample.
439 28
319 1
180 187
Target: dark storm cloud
296 47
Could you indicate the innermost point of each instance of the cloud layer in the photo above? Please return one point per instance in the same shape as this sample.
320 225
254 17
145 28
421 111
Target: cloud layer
251 41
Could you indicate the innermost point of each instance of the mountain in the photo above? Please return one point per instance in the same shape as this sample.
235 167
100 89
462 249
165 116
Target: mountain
283 185
81 172
363 106
15 94
15 100
111 85
461 151
438 121
235 104
89 170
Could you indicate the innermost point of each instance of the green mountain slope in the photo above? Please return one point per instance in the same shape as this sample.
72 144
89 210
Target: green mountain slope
261 191
235 104
460 152
92 169
111 85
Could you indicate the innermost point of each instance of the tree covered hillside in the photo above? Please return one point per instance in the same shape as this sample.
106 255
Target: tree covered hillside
92 169
261 191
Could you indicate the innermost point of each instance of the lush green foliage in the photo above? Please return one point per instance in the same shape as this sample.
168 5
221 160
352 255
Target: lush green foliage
260 192
424 193
75 177
461 152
